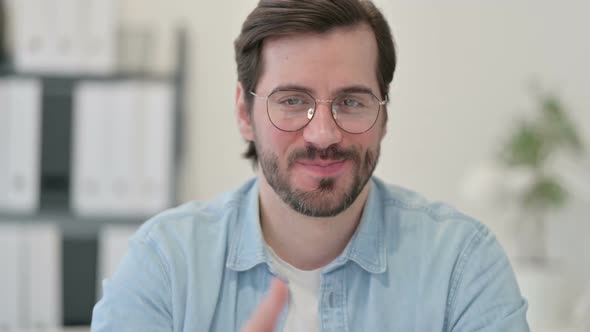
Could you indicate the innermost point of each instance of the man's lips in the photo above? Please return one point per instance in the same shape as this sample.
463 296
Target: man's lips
320 163
322 167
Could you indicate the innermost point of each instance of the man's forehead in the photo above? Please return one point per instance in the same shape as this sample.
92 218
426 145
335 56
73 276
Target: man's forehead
348 54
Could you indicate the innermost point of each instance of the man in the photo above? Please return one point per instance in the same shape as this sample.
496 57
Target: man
314 243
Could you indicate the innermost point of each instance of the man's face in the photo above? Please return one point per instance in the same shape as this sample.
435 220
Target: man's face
321 169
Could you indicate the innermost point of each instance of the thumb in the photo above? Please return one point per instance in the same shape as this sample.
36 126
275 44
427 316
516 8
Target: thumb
267 313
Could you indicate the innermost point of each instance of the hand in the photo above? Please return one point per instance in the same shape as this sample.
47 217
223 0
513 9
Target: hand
267 313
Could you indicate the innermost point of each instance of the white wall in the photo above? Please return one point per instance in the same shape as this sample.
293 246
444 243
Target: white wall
463 78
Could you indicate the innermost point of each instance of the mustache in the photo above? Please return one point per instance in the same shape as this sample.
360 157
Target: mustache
331 152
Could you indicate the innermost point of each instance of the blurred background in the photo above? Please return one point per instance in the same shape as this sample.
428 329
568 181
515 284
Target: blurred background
113 110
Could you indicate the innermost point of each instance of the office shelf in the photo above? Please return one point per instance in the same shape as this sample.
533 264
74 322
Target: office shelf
57 141
80 234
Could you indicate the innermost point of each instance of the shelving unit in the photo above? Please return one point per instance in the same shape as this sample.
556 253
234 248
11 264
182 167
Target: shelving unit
56 142
79 234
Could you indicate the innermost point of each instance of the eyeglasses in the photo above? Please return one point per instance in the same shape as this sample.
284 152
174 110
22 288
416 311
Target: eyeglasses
292 110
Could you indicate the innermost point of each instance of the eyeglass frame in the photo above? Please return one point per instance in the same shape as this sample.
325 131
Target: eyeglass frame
330 101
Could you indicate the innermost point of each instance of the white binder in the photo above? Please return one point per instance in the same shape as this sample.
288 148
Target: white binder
64 50
92 102
19 144
33 34
25 145
44 268
122 173
10 286
157 147
96 40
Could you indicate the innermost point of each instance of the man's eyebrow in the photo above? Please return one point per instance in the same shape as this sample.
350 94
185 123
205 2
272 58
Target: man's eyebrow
348 89
355 89
293 87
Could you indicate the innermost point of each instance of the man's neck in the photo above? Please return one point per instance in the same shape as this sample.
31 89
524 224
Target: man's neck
307 243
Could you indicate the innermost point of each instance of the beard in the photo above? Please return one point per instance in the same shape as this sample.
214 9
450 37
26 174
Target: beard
326 200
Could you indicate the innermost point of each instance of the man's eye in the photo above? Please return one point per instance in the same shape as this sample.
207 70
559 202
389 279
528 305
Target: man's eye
351 103
292 101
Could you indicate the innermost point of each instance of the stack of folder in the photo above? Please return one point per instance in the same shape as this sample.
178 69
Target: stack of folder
122 148
65 36
30 282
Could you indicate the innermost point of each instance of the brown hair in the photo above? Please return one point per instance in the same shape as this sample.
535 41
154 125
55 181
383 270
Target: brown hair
288 17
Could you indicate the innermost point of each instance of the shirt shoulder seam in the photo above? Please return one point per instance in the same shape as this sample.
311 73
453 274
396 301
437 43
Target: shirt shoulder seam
428 210
458 271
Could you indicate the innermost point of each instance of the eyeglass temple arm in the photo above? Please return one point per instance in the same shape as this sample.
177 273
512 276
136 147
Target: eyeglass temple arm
257 96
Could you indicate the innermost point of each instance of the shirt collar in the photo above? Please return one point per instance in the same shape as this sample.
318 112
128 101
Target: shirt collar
247 247
366 247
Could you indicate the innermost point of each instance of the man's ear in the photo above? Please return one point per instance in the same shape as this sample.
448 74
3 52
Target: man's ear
244 117
384 125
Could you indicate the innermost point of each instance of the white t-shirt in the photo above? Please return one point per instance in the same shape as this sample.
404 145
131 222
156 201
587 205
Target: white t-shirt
304 289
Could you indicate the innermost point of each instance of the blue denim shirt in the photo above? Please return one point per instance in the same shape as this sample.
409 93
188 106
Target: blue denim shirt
411 265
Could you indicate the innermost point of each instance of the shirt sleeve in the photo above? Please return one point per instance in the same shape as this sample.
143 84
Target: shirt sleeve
138 296
484 295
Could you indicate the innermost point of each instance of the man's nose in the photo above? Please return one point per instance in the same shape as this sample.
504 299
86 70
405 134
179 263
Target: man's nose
322 131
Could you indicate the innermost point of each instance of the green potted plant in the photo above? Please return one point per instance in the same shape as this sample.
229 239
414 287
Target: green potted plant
532 148
534 174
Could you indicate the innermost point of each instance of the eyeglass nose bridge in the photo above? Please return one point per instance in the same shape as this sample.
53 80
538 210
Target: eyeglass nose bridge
311 111
324 100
